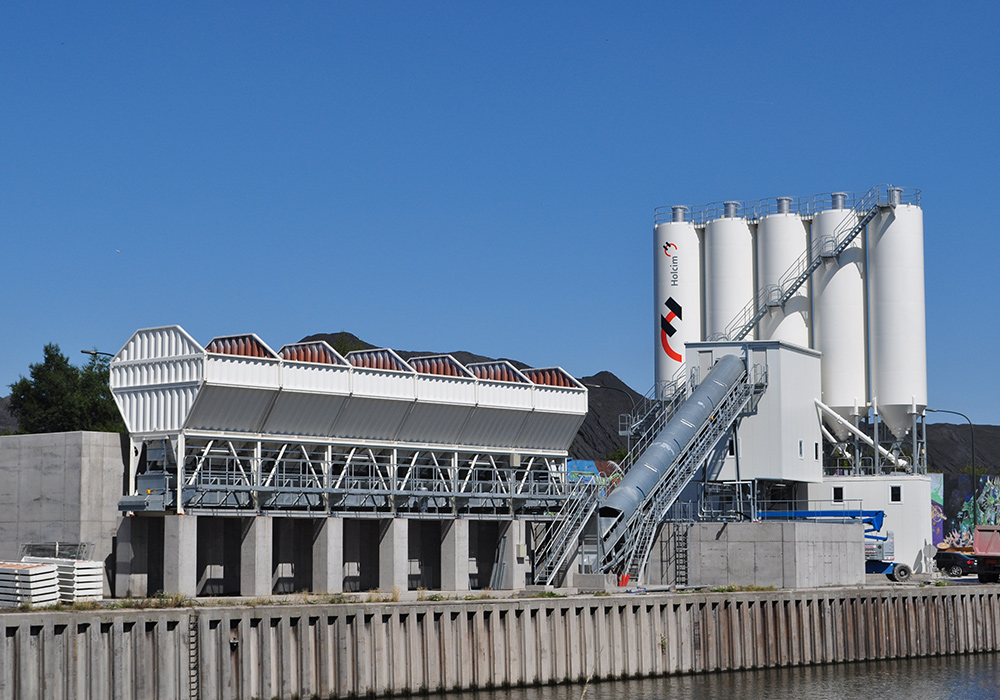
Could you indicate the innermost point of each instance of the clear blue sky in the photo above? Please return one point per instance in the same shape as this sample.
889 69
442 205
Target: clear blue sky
476 176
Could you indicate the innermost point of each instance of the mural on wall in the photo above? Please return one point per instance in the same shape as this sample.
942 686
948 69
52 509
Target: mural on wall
937 508
957 512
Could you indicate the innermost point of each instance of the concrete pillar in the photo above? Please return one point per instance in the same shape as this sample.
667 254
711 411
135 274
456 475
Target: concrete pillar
393 548
328 556
180 554
131 552
455 555
572 568
255 557
514 556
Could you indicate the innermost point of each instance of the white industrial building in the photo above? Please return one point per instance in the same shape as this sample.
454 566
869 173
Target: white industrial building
255 471
823 298
790 378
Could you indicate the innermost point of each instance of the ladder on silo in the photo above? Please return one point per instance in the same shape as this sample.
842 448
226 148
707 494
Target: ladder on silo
681 531
194 670
627 547
800 271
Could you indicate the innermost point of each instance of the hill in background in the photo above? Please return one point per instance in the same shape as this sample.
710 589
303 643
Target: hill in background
949 446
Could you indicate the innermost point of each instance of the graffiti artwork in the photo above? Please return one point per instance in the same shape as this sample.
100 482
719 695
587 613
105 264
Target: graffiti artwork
955 514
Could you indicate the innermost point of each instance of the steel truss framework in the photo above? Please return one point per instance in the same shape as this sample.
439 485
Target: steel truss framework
238 475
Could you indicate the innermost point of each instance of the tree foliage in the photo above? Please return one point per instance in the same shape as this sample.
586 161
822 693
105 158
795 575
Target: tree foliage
59 397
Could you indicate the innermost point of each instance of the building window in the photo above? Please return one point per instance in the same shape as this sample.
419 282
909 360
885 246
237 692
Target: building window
895 493
838 494
732 446
816 451
801 449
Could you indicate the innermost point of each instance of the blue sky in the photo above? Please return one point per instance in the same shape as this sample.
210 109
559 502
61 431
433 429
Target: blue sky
476 176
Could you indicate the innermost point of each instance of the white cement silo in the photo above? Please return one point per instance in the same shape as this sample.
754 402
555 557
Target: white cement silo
782 238
676 291
897 321
729 269
839 314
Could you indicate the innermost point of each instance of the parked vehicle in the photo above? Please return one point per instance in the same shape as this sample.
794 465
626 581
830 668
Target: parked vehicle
955 563
986 547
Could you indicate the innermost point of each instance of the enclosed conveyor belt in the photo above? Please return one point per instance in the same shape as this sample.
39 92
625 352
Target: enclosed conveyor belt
657 461
629 517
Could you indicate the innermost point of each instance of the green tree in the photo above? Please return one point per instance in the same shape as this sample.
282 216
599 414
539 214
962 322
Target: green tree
59 397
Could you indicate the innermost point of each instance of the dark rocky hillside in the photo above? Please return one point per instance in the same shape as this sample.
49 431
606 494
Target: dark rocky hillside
608 397
949 448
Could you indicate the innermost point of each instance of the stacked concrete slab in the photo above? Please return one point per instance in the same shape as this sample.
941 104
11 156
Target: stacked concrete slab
27 584
78 580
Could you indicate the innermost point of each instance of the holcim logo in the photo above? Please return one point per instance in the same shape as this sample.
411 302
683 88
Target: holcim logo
667 247
667 329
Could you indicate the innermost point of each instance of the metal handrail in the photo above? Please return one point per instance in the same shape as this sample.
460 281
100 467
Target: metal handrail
575 513
800 270
753 210
630 542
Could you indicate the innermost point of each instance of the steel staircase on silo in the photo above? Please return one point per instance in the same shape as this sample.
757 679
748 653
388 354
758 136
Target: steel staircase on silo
800 271
627 547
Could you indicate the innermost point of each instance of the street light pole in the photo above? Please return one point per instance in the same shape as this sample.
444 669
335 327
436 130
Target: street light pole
975 481
631 414
95 353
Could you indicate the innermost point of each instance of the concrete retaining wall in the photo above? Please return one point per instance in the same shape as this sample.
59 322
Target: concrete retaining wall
61 487
393 648
796 554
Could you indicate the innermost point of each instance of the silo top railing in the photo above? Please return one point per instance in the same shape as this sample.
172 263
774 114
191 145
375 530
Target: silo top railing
805 206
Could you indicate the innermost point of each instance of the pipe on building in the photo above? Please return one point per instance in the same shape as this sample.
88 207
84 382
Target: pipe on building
902 463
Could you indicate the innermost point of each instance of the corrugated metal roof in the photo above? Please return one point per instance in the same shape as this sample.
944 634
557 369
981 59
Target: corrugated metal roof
248 345
164 381
552 376
316 352
445 365
499 371
379 358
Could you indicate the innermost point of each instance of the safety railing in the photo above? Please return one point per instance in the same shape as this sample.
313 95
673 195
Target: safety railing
805 206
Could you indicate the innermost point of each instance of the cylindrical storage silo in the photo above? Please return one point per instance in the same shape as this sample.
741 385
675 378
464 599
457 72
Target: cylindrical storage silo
897 323
676 292
729 286
782 239
839 315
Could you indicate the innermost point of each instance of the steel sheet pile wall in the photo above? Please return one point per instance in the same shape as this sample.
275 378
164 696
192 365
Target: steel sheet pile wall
393 649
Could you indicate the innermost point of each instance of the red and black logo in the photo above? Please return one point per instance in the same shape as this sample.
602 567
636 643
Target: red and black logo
667 247
667 330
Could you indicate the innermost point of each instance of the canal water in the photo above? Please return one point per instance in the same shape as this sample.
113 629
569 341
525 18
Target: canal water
971 677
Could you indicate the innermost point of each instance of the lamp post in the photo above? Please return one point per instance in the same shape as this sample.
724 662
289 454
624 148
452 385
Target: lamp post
613 388
96 353
975 481
631 414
